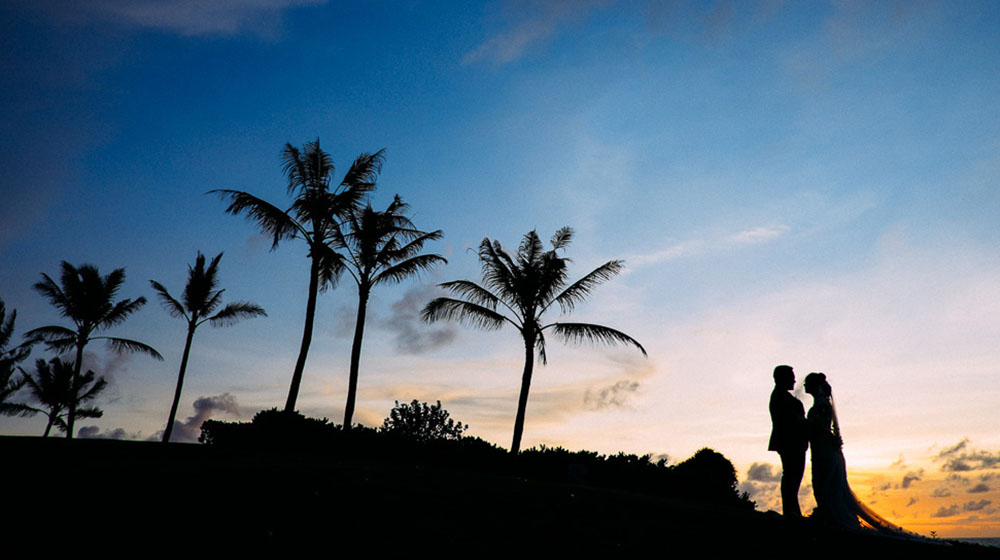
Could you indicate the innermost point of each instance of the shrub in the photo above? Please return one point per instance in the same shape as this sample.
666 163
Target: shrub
422 422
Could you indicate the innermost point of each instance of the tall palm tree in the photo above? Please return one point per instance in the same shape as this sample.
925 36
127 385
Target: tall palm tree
200 299
57 387
380 247
88 300
518 290
9 358
313 216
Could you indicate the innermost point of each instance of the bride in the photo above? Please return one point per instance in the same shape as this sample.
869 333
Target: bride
835 502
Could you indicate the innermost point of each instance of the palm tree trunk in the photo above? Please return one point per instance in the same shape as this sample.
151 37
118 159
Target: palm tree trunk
307 332
71 415
48 427
359 332
522 401
180 383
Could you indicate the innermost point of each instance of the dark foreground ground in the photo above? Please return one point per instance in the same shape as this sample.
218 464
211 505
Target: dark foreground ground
139 498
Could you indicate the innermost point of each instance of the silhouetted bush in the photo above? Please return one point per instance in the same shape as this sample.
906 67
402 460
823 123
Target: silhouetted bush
422 422
706 477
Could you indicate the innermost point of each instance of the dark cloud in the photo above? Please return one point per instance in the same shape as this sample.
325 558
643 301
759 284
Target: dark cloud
972 461
957 479
204 408
910 478
941 493
948 451
947 511
912 501
898 463
761 472
976 506
412 334
979 488
615 395
94 432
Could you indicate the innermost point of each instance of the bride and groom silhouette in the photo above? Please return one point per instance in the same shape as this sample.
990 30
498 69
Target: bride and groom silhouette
793 431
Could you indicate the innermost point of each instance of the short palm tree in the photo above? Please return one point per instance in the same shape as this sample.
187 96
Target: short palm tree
60 390
381 247
314 215
518 290
88 300
9 358
200 300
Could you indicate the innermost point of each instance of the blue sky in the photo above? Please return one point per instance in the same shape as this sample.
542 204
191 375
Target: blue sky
806 183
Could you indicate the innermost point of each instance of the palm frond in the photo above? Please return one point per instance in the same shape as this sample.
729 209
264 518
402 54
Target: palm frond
232 313
269 218
579 290
53 293
363 172
173 307
120 312
87 412
57 339
595 334
473 292
414 265
562 238
124 345
464 312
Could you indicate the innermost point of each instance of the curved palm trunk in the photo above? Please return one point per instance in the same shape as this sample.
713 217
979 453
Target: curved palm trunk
180 384
71 415
300 364
48 427
522 401
359 332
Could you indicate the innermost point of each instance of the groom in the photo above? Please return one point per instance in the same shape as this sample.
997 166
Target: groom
789 437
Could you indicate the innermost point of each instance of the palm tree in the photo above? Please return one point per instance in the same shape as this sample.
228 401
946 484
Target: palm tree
314 216
9 358
88 300
518 290
380 247
200 299
58 387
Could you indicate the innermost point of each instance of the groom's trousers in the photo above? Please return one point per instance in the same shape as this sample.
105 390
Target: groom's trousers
793 465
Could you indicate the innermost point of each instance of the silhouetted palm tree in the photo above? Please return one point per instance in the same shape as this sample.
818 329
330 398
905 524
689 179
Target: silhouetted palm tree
53 386
314 216
523 287
9 358
88 300
381 247
200 299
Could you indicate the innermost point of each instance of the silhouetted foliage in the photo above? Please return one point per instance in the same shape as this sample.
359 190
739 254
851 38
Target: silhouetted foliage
706 477
518 289
314 216
88 300
381 247
197 305
422 422
55 386
9 358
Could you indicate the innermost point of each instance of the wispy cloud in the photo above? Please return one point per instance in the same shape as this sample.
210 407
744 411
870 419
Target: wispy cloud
537 22
695 247
182 17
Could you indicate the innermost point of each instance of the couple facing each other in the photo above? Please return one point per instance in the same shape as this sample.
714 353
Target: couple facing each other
793 431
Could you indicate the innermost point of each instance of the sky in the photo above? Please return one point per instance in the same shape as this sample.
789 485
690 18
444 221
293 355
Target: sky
810 183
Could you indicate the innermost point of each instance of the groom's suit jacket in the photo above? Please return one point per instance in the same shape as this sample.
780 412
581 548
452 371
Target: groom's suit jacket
789 431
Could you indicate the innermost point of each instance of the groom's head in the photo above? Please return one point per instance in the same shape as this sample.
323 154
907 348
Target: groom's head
784 377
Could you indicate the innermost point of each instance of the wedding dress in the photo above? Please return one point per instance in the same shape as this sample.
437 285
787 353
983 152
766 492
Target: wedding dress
835 502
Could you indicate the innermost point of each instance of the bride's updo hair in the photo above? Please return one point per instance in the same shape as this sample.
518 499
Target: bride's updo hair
819 380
